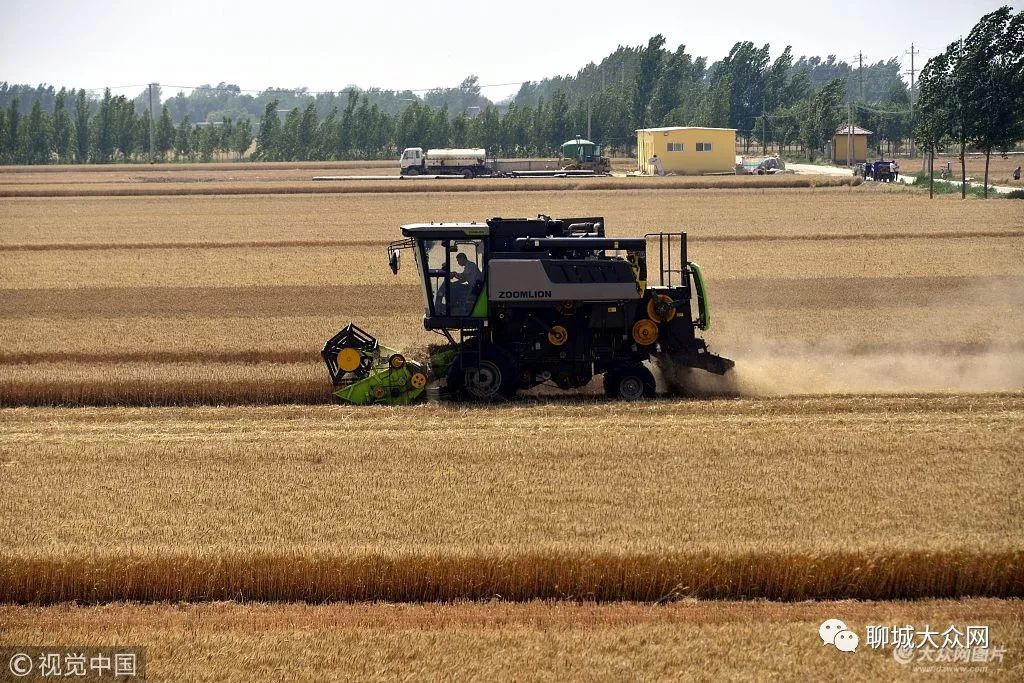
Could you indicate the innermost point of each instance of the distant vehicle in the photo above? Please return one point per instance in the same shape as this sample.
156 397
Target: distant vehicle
879 170
583 155
468 163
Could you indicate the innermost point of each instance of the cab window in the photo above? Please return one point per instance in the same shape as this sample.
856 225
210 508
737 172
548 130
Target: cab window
454 275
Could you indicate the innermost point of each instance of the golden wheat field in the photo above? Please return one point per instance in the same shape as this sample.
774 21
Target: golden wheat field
165 438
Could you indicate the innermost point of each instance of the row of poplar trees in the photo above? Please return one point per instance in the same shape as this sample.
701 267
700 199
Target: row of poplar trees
79 130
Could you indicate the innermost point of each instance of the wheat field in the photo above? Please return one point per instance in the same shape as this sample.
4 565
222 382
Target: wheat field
163 438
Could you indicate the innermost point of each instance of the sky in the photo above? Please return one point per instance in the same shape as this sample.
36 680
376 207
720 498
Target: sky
328 44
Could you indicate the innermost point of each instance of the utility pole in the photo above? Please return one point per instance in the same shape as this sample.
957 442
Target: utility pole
860 58
912 52
764 133
588 118
849 135
152 126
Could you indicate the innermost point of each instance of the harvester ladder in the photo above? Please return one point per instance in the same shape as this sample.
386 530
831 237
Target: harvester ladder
667 243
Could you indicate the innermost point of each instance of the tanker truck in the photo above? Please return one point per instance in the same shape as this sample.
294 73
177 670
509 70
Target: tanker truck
468 163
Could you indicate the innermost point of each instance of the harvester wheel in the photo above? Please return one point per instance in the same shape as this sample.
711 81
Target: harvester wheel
630 382
489 377
379 392
418 380
396 360
467 173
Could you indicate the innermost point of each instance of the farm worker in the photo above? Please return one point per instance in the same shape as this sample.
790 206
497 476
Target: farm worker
1016 173
470 272
894 169
659 168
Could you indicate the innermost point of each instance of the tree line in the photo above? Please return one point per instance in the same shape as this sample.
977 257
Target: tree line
973 93
112 130
781 103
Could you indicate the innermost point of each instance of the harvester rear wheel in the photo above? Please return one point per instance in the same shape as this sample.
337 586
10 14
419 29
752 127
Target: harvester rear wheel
630 382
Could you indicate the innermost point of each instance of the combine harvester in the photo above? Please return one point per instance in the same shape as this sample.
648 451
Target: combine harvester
524 302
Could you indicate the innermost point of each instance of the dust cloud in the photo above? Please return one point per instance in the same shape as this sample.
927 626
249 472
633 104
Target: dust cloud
777 369
992 309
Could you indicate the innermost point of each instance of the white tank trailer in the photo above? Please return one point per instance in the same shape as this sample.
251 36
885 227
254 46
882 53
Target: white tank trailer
468 163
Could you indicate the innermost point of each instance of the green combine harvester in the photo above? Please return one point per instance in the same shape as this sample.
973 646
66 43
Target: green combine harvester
524 302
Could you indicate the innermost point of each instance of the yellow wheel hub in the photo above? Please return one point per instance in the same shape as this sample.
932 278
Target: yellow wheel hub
379 392
418 380
396 361
667 311
348 359
645 332
558 335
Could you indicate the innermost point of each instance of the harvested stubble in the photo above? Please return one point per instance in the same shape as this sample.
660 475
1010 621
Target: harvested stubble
376 218
502 641
420 185
788 499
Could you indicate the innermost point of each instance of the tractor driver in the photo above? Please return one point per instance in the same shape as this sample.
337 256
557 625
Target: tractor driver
470 274
467 279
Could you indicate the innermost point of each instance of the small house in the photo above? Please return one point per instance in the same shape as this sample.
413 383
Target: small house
686 150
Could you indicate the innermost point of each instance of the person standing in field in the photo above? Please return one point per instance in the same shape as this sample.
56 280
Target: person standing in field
1016 173
894 166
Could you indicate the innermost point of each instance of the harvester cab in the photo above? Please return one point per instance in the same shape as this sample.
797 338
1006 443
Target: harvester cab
522 302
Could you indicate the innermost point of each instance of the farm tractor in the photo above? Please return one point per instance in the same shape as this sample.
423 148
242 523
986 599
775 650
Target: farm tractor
523 302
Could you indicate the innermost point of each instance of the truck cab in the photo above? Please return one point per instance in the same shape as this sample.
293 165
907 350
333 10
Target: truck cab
412 161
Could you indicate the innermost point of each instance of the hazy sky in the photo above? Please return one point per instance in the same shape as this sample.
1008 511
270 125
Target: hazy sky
327 44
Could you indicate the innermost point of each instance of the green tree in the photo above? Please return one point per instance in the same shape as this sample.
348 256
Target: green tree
242 139
268 143
14 133
183 139
5 153
306 134
63 129
125 122
650 65
37 137
994 58
165 133
104 126
81 128
822 116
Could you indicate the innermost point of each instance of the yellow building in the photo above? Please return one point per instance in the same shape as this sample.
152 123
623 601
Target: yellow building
841 140
686 150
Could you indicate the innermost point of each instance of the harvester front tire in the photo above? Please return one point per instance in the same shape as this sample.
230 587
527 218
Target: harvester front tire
492 377
630 382
468 174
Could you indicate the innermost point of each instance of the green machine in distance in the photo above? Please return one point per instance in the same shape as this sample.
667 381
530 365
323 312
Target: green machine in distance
525 302
584 155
